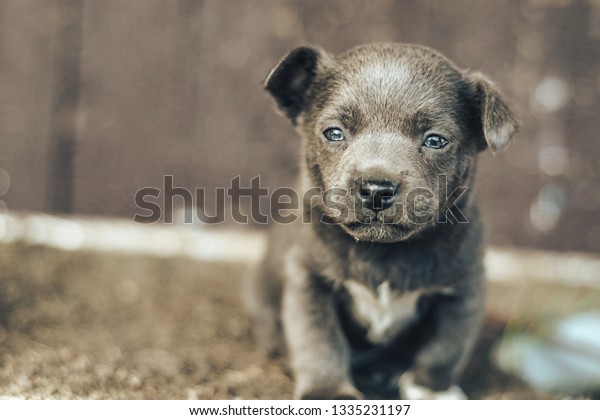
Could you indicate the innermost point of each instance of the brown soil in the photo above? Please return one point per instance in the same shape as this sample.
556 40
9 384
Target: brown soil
89 325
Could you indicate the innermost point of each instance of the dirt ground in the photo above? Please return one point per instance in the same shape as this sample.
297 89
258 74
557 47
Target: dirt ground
98 326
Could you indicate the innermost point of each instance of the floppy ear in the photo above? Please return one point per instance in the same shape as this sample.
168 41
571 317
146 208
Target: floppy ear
291 79
497 120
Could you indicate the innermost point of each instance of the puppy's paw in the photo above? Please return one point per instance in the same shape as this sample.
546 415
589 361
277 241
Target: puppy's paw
409 390
320 392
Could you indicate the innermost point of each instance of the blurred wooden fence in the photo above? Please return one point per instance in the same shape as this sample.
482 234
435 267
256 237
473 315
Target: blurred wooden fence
101 98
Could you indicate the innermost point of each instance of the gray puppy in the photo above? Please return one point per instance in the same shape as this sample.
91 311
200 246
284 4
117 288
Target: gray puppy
383 268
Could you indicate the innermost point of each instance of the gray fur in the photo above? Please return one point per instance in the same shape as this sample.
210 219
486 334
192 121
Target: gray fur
387 98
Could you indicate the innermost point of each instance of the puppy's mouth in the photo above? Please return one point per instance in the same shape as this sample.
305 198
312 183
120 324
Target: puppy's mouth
385 226
378 231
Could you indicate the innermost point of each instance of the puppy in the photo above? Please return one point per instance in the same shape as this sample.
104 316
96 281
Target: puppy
383 267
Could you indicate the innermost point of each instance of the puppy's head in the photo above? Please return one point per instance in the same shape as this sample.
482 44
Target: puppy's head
382 126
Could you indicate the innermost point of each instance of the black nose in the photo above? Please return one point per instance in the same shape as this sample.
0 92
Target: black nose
377 195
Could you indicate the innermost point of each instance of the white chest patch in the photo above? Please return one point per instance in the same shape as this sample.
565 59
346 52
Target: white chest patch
384 312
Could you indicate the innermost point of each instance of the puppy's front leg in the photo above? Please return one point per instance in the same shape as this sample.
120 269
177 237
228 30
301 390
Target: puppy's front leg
319 352
441 359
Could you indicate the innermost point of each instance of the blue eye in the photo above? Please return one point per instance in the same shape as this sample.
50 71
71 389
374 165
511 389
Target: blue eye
435 142
334 134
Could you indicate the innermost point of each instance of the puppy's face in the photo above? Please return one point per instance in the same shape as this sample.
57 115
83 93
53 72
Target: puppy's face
384 126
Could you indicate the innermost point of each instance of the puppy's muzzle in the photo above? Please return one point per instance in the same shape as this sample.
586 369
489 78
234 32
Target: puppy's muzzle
377 195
